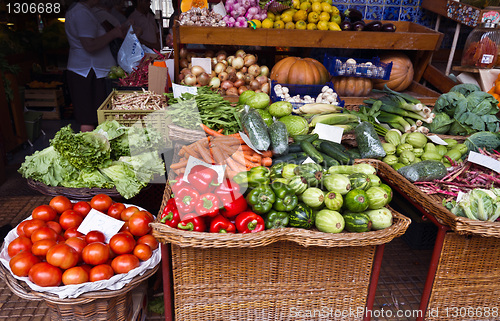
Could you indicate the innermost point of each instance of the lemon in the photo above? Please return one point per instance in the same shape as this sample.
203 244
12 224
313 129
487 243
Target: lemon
306 6
323 25
333 26
287 17
336 18
316 1
296 4
335 10
279 24
301 24
300 15
289 11
271 15
290 25
313 17
330 2
311 26
277 17
257 22
316 7
326 7
324 16
267 23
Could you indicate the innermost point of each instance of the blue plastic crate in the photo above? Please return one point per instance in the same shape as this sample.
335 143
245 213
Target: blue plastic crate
302 90
365 68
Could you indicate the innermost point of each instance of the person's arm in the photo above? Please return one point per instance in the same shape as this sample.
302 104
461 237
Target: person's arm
94 44
155 45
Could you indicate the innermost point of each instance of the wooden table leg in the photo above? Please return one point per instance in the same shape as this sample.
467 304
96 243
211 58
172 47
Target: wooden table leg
168 298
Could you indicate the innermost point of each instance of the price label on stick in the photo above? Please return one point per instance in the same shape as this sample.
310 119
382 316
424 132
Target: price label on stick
437 140
178 90
485 161
97 221
329 132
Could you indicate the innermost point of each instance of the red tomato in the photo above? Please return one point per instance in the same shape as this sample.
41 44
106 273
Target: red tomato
20 228
139 223
148 239
127 213
101 272
22 262
122 243
43 233
21 243
82 208
95 253
115 210
87 267
44 212
75 275
31 225
72 232
76 243
45 274
70 219
62 255
95 236
143 252
112 254
101 202
124 263
41 247
60 238
61 203
125 227
55 226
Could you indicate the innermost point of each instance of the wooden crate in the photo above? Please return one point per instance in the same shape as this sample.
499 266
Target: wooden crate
46 101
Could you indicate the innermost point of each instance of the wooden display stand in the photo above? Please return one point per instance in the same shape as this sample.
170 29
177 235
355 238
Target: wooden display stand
47 101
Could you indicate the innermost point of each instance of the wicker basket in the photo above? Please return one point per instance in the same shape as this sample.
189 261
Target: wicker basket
467 281
181 134
79 194
100 305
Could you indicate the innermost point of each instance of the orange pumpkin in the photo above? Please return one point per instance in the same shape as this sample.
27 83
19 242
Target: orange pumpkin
299 71
352 86
188 4
401 73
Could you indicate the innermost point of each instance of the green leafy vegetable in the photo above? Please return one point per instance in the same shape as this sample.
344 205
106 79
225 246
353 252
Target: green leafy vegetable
111 129
483 140
124 178
157 305
465 89
441 123
90 177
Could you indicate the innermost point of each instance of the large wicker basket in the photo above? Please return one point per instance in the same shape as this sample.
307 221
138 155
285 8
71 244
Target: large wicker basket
72 193
100 305
180 134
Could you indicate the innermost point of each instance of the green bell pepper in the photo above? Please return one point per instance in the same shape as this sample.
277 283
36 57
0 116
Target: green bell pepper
256 176
287 203
261 199
275 219
281 189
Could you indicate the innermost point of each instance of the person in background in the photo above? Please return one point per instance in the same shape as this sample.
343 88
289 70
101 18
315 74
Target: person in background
144 24
118 11
103 11
89 61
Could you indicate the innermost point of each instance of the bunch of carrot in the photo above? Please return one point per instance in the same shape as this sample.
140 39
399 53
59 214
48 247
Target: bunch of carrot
221 149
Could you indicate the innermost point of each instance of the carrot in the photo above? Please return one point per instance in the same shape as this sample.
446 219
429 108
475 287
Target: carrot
205 154
210 131
267 153
235 166
220 130
256 158
267 161
226 140
179 164
218 155
230 150
191 151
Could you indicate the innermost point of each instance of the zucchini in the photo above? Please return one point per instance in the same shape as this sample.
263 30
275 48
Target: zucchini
424 171
369 144
354 153
307 137
329 161
311 151
333 150
294 148
287 158
279 138
256 129
298 160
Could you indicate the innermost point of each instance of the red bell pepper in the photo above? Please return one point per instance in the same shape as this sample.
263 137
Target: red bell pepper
186 199
228 186
170 215
192 222
233 204
178 183
208 205
203 178
220 224
249 222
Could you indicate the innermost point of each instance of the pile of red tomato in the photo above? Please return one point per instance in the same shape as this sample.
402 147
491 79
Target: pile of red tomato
50 251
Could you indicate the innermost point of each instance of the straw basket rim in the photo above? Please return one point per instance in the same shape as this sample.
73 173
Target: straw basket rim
177 133
83 193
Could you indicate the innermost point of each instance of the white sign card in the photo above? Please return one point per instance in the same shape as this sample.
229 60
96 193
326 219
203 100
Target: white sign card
308 160
248 142
97 221
437 140
329 132
220 9
178 90
205 63
193 161
484 160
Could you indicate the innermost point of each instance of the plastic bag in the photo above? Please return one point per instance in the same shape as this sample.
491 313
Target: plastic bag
369 144
131 52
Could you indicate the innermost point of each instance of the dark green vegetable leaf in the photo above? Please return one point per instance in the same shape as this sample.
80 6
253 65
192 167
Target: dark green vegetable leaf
465 89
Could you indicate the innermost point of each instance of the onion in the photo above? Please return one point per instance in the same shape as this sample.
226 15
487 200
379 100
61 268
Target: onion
185 71
248 78
250 60
240 75
230 60
265 88
232 77
238 83
221 55
197 70
242 89
183 63
264 70
253 10
226 84
244 69
230 69
254 85
214 61
237 63
181 76
219 67
190 80
262 79
240 53
223 76
203 79
224 62
183 53
233 91
213 74
190 55
209 53
214 82
258 91
254 70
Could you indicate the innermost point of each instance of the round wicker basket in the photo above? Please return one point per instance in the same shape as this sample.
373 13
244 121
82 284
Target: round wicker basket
72 193
176 133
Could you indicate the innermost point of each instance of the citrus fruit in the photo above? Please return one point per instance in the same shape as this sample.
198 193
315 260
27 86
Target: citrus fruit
301 25
323 25
267 23
316 7
279 25
326 7
324 16
271 15
257 22
312 26
277 17
306 6
335 10
336 18
290 25
286 17
313 17
333 26
300 15
296 4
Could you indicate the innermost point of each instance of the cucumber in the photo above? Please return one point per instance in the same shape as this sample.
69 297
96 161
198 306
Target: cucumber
333 150
424 171
329 161
298 160
294 148
279 138
289 157
369 144
256 129
311 151
307 137
354 153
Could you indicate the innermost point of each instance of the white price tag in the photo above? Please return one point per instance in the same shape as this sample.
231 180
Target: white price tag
329 132
178 90
460 196
97 221
485 161
308 160
248 142
220 9
193 161
437 140
205 63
